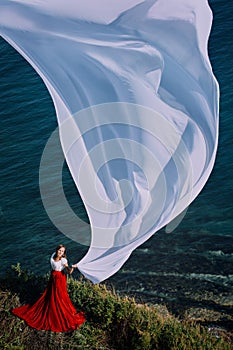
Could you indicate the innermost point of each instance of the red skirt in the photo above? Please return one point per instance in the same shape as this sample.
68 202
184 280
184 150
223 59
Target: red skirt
54 310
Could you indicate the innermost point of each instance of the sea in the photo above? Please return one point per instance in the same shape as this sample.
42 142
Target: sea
190 270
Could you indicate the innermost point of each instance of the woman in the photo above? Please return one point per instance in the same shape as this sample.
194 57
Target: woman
54 310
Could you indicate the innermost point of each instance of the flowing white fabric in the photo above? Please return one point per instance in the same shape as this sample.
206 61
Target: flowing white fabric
137 108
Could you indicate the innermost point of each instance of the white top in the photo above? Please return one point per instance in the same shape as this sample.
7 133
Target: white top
58 265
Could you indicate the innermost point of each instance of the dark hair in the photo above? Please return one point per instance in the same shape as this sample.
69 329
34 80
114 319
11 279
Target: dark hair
59 247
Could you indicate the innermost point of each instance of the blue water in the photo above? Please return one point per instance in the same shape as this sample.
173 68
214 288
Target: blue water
193 263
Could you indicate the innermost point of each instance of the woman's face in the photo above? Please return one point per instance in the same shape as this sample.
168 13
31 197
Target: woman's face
61 252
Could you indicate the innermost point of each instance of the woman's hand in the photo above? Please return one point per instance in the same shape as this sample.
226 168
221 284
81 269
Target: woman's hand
71 269
75 266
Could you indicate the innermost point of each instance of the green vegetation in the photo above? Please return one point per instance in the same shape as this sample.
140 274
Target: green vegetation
113 321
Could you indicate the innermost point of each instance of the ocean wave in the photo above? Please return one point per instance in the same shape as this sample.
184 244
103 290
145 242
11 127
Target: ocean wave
220 253
219 279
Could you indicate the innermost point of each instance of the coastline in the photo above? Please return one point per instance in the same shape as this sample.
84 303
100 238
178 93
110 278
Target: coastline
108 310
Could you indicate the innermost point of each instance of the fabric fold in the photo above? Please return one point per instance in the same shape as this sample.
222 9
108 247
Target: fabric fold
137 108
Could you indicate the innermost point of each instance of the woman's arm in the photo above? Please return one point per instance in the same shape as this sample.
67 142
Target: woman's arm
69 269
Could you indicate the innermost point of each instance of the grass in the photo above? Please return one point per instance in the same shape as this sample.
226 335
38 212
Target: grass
113 322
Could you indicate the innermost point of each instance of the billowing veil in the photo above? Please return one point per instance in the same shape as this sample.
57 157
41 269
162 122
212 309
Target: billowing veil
137 109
